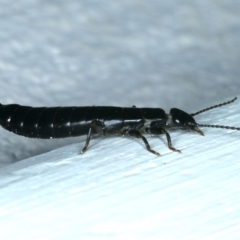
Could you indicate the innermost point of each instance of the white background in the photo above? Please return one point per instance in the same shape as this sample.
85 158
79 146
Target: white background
181 54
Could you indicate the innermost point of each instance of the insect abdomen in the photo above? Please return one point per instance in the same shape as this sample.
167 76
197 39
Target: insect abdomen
42 122
8 121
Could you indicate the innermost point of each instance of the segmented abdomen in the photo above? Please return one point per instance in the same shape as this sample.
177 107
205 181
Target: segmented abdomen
42 122
61 122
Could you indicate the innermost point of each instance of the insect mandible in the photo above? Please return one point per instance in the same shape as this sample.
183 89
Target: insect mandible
61 122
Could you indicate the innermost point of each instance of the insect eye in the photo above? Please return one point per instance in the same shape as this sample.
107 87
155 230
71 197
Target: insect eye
181 118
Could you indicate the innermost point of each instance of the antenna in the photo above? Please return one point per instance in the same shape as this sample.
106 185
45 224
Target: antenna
218 126
215 106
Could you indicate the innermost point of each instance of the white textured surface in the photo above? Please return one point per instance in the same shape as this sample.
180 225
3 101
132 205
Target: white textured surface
118 190
165 54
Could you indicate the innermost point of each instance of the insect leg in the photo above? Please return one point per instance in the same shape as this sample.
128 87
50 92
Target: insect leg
94 125
137 134
159 130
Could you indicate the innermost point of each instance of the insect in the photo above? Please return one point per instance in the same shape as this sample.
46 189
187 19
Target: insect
61 122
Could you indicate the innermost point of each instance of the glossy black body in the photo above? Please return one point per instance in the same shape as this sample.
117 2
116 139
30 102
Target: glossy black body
61 122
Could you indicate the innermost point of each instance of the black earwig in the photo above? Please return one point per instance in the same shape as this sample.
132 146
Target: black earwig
61 122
